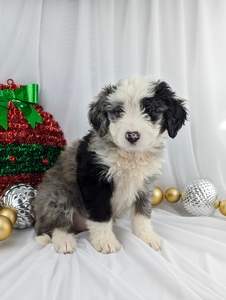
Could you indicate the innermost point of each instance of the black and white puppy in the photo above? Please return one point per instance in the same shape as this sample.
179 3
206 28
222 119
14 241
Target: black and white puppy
111 170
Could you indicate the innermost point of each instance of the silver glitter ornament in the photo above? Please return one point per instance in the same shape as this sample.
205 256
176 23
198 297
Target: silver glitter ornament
19 197
199 197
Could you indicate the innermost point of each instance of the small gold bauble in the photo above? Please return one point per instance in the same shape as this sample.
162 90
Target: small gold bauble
222 207
6 228
216 204
172 195
9 213
157 196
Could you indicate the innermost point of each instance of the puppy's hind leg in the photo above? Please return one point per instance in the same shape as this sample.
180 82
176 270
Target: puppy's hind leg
53 220
43 239
63 241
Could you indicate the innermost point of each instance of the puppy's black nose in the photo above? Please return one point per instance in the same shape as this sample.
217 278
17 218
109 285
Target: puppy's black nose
132 136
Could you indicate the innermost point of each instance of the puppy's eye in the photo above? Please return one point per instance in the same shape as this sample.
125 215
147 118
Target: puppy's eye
119 111
148 111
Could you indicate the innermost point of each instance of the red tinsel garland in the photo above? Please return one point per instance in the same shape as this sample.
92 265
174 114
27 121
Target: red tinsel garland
32 179
20 132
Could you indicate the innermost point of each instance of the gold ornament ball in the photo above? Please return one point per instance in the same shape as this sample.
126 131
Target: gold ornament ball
157 196
216 204
9 213
6 228
222 207
172 195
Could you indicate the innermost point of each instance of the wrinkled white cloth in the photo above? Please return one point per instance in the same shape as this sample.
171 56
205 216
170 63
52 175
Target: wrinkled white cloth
190 265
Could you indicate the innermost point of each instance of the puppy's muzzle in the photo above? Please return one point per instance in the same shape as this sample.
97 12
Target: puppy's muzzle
132 136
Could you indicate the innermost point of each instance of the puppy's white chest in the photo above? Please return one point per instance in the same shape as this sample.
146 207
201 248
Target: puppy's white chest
129 173
126 187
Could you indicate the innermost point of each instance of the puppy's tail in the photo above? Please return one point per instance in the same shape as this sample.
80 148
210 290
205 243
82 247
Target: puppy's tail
43 239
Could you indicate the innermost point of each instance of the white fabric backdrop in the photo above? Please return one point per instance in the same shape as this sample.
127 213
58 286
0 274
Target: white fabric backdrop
71 49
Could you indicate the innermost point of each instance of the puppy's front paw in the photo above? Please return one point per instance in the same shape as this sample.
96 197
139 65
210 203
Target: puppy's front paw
64 242
142 228
152 239
102 237
106 245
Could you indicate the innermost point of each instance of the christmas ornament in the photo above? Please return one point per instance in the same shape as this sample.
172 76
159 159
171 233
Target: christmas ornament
10 213
15 203
157 196
19 198
172 195
30 139
6 227
199 198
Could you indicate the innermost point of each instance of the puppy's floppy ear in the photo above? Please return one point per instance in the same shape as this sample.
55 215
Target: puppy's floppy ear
97 115
175 114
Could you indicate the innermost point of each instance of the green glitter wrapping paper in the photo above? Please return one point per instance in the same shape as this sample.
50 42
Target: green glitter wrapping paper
26 159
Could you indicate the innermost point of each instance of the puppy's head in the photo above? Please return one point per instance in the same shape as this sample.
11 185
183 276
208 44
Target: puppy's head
136 112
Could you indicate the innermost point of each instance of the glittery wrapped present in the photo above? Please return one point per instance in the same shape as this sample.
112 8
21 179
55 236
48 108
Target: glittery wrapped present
30 138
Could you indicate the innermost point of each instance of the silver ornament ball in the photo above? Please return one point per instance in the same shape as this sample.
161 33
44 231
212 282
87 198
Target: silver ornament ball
20 197
198 197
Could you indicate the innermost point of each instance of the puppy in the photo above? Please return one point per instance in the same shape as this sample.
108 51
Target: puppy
111 170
